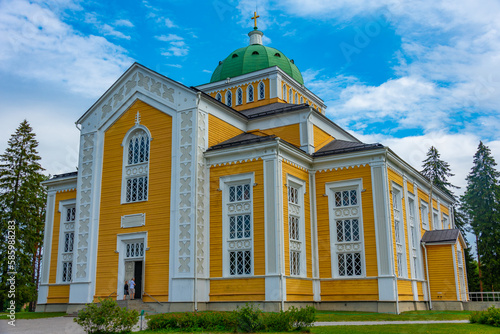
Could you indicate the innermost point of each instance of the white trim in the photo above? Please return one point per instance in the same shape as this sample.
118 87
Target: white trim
247 94
239 91
63 206
330 188
301 187
224 183
397 190
121 241
228 92
425 223
258 90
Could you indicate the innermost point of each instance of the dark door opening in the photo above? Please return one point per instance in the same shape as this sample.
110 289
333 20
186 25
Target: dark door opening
138 279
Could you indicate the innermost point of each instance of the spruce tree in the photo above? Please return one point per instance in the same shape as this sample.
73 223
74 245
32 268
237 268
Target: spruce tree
437 170
22 202
481 204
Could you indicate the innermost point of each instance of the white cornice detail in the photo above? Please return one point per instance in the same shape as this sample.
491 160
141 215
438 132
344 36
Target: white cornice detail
341 167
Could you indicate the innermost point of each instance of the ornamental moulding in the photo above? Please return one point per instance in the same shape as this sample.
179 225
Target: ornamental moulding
341 168
227 163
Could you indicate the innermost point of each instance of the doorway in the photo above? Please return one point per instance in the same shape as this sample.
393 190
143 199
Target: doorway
134 269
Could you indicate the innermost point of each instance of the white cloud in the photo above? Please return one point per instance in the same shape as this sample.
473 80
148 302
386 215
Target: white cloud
175 65
124 23
177 48
110 31
168 23
206 71
36 44
169 37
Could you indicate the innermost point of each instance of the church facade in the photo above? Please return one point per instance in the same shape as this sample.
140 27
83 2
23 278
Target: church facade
242 190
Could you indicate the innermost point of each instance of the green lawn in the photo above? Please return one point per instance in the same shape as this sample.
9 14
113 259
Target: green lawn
413 315
33 315
402 329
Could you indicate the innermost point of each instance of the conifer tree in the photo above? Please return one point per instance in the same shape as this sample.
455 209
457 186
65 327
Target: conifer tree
437 170
481 204
22 202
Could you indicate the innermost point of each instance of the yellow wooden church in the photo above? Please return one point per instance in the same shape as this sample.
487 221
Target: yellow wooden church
242 190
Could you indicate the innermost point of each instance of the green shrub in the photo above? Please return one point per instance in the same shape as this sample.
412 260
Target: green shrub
489 317
106 317
246 319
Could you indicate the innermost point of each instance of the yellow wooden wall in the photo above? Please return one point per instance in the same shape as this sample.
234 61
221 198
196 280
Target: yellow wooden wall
219 131
234 288
297 289
290 133
289 100
441 272
420 291
157 207
58 294
405 290
321 138
348 289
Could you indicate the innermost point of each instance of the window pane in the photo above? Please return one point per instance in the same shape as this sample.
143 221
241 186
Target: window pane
349 264
338 198
357 264
340 231
239 227
355 230
246 191
239 193
232 194
262 92
341 265
347 230
250 93
345 198
247 226
354 197
232 227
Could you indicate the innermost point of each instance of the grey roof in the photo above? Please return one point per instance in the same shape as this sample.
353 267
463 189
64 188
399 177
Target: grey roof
61 176
344 146
242 139
271 109
441 236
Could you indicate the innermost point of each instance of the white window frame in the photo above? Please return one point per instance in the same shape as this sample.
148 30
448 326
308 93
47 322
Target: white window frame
301 100
224 184
229 94
121 248
65 227
134 170
296 99
397 198
261 96
218 97
461 272
250 88
414 237
284 92
290 96
335 247
239 93
446 221
435 219
300 185
424 218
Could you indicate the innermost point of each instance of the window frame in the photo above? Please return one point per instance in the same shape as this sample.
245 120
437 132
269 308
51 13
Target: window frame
397 194
301 190
414 238
224 183
126 166
62 256
446 219
250 87
424 222
284 92
228 94
218 97
330 189
261 84
239 93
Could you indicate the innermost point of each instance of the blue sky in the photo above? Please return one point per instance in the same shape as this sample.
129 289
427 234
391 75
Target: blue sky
406 74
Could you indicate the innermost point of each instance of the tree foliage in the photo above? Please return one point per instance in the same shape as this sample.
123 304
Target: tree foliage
437 171
22 200
481 205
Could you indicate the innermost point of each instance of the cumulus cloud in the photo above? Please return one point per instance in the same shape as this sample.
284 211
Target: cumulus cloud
36 44
177 46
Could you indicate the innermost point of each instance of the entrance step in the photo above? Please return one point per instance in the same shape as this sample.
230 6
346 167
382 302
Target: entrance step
138 305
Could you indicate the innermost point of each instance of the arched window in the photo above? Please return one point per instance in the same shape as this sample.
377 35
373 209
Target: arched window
262 91
239 96
136 165
301 99
218 97
229 98
290 96
284 92
296 98
250 93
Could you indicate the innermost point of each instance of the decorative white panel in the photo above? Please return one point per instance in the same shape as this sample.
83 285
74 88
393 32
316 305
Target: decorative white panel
135 220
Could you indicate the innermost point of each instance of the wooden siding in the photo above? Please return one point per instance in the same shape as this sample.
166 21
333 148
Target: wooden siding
333 290
420 291
321 138
405 290
156 208
219 131
216 238
441 272
290 133
356 289
243 289
299 290
58 294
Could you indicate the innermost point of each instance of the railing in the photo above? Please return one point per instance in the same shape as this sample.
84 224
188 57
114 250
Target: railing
156 300
484 296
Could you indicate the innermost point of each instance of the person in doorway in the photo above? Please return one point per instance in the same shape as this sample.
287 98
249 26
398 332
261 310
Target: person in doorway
125 290
131 288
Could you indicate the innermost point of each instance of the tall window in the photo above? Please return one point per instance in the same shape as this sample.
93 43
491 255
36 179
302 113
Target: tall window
446 222
250 93
68 238
218 97
238 229
290 96
296 100
301 100
284 93
424 215
399 231
296 228
413 235
435 220
136 166
239 96
229 98
262 91
461 275
346 231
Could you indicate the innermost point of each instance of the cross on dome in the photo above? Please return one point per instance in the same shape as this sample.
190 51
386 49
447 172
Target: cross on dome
254 18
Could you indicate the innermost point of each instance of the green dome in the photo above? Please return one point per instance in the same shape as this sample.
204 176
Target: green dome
253 58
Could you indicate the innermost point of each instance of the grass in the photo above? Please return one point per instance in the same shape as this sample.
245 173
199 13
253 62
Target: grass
405 316
33 315
402 329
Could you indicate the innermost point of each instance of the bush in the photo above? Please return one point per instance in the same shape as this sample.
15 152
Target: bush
106 317
489 317
246 319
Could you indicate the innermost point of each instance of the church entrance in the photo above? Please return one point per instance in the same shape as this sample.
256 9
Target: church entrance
135 269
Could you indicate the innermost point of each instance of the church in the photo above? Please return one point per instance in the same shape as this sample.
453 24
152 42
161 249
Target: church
242 190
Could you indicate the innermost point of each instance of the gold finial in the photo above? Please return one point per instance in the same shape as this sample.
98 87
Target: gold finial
254 18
